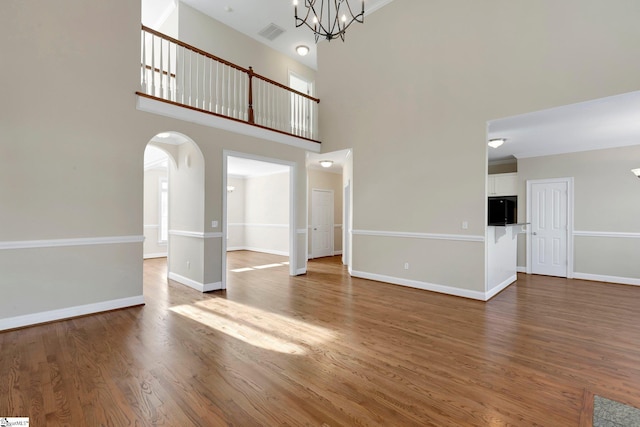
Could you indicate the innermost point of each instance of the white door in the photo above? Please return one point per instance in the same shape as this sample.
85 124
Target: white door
321 223
549 227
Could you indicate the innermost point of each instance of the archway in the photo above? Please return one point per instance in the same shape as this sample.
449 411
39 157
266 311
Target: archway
179 207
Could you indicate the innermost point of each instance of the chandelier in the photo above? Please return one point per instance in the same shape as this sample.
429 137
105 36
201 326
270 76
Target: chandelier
328 19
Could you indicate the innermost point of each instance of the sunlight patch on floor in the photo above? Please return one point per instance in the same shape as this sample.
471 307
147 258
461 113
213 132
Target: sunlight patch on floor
258 267
242 270
255 326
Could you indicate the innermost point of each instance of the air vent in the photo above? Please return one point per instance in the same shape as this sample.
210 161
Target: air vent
271 32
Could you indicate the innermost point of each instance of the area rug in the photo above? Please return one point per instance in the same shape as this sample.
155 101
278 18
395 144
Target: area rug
609 413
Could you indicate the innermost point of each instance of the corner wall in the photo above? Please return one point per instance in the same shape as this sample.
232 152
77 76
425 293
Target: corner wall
71 163
411 90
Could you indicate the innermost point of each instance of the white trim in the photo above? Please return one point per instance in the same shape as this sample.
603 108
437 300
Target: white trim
69 312
301 271
337 225
151 226
570 210
254 249
202 287
521 269
421 285
81 241
607 234
155 255
302 230
198 234
293 189
496 289
608 279
456 237
188 115
335 253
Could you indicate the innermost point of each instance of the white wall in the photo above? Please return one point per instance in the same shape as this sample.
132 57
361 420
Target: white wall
606 209
258 214
411 92
222 41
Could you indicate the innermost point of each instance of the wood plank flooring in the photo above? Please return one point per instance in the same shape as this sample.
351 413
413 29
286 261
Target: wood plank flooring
329 350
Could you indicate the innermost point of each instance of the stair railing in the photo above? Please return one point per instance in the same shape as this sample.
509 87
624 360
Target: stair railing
176 72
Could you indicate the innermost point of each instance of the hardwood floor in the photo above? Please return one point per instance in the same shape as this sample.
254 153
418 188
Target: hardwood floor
329 350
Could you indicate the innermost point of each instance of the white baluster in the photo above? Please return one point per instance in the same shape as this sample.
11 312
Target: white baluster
217 91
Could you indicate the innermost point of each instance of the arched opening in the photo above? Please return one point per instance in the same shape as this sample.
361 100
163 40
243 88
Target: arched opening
174 207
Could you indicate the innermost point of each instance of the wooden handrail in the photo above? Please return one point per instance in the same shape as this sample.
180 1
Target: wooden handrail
301 118
225 62
280 85
193 48
155 98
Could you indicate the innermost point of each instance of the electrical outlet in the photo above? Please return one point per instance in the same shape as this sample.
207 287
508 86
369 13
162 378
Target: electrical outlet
406 265
188 264
465 225
214 224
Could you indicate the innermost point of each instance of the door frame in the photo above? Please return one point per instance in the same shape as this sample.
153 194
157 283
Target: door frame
333 222
570 209
293 232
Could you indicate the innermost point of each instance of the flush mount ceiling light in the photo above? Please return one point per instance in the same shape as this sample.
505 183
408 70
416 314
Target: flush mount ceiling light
496 142
328 19
163 135
302 50
636 172
326 163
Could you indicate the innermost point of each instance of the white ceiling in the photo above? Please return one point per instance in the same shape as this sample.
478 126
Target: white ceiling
251 16
602 123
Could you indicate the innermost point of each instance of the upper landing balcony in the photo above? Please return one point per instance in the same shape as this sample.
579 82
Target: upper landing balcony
184 82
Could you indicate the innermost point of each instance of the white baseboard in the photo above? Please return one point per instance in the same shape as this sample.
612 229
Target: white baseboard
608 279
521 269
157 255
421 285
301 271
493 292
252 249
336 253
202 287
66 313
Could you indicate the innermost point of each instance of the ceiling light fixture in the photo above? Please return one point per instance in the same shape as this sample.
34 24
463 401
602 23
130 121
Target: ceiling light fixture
325 21
496 142
302 50
636 172
326 163
163 135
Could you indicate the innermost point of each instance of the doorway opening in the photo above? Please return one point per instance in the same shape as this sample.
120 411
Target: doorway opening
174 207
258 213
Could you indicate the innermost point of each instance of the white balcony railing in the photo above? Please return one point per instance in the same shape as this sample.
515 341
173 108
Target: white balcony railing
176 72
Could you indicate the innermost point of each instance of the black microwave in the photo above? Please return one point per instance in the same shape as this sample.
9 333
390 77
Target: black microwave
503 210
